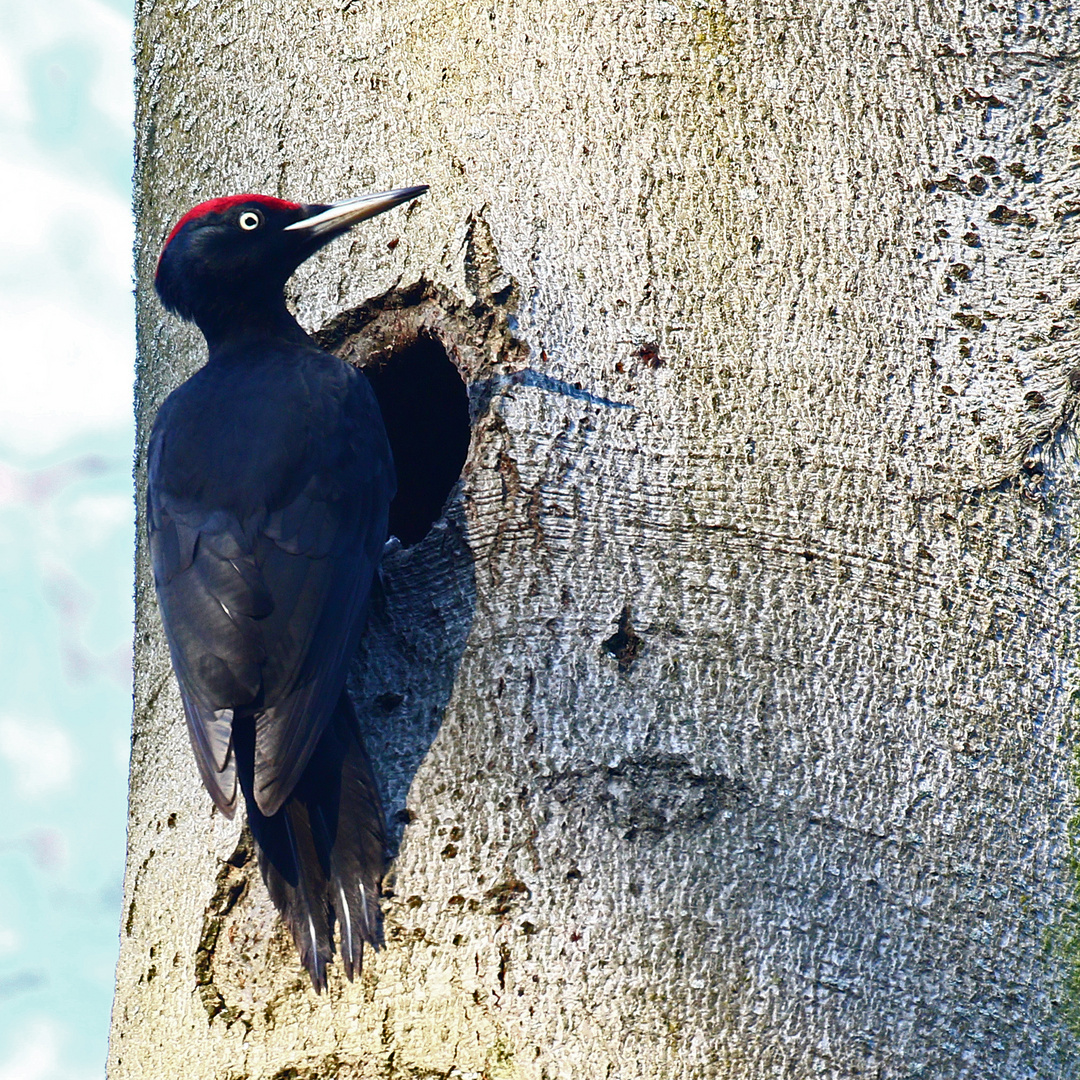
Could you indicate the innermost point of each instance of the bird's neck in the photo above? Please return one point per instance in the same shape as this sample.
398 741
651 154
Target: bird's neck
243 322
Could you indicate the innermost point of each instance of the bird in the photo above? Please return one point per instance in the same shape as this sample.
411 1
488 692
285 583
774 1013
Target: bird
270 478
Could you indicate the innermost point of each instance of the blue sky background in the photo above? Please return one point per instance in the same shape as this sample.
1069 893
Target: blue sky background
66 522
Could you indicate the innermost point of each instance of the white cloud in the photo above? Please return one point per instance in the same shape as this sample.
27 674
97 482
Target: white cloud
111 33
10 492
66 315
14 106
101 32
94 518
65 310
36 1056
79 382
40 755
61 209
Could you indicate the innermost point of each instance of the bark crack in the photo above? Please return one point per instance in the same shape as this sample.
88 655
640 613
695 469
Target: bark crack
229 888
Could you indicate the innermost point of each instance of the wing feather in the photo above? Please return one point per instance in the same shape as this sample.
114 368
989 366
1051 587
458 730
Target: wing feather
261 598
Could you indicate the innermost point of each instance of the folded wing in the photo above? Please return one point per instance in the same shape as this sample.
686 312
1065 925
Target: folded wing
261 599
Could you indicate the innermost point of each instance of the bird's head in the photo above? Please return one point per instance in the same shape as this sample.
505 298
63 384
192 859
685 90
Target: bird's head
229 258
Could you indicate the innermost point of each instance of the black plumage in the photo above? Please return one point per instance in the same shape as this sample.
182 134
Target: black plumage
270 479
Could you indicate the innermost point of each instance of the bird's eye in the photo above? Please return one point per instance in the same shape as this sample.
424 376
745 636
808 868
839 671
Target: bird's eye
249 220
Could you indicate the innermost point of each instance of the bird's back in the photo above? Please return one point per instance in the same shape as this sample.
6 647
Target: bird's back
270 481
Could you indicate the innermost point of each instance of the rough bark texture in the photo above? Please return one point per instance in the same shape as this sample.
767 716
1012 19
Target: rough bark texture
734 727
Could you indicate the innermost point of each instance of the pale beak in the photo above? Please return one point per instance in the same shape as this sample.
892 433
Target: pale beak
342 215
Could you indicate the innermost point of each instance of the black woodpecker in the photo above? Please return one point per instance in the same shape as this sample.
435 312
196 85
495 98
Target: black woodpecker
270 480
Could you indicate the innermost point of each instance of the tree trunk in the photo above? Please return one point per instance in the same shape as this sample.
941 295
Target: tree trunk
728 734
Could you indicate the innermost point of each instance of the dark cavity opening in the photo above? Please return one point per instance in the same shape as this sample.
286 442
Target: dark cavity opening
425 407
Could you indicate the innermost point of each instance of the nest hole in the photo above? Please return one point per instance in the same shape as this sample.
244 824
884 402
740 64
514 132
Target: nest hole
425 407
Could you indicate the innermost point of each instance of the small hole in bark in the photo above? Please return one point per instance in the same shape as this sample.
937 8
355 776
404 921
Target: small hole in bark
624 644
425 407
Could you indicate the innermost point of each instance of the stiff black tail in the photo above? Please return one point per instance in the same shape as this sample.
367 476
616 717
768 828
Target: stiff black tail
322 854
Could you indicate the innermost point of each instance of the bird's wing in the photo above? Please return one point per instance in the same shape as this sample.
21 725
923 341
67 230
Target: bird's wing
261 608
320 556
211 595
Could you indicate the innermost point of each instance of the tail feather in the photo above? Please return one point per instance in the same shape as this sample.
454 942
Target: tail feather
357 860
302 902
322 855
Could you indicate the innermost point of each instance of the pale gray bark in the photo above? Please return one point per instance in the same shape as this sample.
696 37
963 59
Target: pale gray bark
813 820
